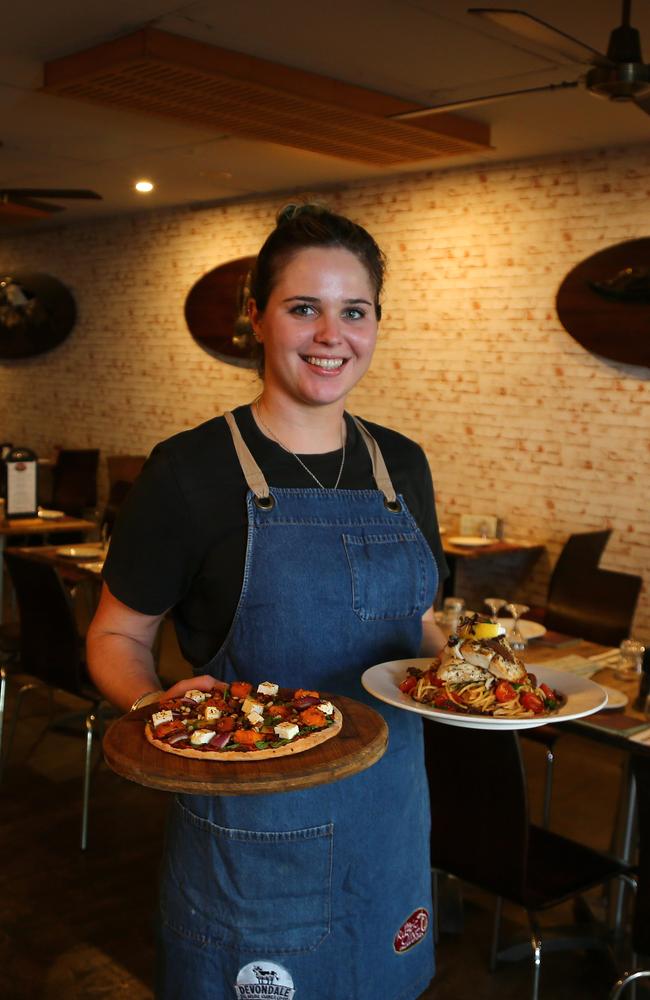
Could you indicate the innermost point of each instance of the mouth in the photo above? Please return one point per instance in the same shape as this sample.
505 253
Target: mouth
324 364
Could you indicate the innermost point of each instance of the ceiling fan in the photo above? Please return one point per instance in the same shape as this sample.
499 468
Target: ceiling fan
620 75
20 204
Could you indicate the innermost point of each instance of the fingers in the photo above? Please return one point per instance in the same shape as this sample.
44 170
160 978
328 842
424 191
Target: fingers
204 682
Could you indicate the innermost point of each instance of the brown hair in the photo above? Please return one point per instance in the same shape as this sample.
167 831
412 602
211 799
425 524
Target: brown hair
301 227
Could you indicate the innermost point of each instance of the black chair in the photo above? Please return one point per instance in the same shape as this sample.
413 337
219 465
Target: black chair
586 601
74 481
481 833
51 651
590 603
641 918
123 470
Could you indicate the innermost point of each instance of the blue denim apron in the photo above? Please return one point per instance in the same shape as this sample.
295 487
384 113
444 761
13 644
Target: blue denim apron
322 894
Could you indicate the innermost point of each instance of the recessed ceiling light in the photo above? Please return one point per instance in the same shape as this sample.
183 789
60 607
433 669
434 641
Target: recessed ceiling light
144 187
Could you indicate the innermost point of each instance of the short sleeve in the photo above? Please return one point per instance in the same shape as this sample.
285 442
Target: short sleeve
153 554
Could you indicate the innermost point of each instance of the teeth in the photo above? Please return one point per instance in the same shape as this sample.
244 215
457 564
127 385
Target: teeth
325 362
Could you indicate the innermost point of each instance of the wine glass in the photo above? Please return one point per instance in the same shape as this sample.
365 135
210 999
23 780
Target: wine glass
494 604
515 638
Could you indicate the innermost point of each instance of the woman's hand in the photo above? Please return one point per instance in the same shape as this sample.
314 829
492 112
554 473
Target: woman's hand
205 682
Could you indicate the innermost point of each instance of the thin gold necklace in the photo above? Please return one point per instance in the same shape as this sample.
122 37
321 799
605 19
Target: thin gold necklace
297 457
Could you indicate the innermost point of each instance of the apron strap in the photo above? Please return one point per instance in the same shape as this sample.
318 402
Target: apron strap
258 484
379 470
252 472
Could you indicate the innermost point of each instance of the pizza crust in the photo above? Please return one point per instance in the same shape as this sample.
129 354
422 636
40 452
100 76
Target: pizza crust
304 743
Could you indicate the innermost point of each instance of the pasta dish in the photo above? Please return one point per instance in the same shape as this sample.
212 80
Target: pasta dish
477 672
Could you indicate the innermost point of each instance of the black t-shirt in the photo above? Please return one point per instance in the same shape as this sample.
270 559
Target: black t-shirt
180 539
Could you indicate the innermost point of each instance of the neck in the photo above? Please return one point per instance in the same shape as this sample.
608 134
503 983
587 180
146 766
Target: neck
301 429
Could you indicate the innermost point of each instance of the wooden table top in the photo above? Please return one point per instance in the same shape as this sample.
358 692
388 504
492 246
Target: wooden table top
43 526
68 568
602 725
497 546
361 743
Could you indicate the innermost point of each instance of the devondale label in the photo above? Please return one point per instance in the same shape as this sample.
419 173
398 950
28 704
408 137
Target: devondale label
264 979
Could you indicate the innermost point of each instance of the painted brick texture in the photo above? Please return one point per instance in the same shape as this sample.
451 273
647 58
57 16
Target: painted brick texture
516 418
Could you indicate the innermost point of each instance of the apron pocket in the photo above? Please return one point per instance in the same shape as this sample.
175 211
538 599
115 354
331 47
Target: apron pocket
389 575
247 890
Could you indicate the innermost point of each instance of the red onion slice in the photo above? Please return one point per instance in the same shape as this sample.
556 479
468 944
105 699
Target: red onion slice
219 741
307 701
176 738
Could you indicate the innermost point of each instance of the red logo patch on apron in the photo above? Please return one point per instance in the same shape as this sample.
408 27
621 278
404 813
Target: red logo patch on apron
412 930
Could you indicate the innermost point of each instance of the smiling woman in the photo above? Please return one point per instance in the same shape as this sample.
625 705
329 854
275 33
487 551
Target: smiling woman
293 541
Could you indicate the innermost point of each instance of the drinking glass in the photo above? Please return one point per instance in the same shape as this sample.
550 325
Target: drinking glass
453 609
515 638
495 604
631 656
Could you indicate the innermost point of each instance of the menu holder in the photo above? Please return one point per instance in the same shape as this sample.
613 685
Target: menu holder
21 469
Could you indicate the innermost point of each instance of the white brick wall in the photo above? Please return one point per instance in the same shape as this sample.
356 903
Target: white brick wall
516 417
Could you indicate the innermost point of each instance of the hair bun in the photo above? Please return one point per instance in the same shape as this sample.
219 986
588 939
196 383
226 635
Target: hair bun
294 209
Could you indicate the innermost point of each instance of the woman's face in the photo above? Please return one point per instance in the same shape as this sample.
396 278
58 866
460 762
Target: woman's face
319 327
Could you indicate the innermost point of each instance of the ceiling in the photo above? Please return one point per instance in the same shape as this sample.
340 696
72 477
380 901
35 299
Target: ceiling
427 51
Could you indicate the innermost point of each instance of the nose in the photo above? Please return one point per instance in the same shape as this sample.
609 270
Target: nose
327 328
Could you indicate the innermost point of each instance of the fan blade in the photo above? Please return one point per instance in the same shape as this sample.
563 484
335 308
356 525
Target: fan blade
45 207
62 193
475 101
535 30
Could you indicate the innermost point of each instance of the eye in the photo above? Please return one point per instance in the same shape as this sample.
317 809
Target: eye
353 312
302 309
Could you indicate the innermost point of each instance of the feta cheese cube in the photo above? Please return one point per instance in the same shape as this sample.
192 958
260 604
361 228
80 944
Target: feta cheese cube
196 695
254 718
212 712
250 705
201 736
267 687
159 717
286 730
326 707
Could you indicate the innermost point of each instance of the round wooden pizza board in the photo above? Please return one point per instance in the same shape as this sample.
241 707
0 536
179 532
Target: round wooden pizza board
360 744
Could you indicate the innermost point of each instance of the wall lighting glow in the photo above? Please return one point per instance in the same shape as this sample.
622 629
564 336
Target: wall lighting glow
144 187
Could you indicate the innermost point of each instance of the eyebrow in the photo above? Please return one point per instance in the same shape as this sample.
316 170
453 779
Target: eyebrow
313 298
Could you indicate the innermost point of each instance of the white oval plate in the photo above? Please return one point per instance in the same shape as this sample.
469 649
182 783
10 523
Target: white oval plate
615 698
529 630
583 697
471 541
79 552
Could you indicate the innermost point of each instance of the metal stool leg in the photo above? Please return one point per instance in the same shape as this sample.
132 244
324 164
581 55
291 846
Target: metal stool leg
495 933
548 787
14 720
90 727
536 945
625 980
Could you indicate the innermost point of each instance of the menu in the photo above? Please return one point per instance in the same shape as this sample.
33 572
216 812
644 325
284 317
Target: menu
22 483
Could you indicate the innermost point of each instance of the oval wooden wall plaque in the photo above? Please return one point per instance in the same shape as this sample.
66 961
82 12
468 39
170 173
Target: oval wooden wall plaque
37 313
215 312
604 302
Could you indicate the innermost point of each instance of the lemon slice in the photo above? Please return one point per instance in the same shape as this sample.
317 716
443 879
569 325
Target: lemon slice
487 630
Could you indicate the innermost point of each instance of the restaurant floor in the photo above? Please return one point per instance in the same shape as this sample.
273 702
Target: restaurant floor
79 926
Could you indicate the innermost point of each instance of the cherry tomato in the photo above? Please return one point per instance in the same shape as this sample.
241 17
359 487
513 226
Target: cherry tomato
548 692
531 702
504 691
408 684
440 700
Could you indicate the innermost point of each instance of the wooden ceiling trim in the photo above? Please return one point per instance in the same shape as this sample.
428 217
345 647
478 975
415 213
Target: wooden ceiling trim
155 73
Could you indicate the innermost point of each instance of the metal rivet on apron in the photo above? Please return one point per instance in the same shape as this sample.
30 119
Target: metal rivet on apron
265 503
394 506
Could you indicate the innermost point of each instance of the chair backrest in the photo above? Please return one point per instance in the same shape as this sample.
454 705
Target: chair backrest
479 806
124 468
587 601
74 480
49 640
641 922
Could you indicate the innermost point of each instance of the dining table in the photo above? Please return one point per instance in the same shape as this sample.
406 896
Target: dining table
494 549
18 527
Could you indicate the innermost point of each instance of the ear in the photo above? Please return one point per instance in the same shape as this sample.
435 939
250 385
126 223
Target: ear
255 317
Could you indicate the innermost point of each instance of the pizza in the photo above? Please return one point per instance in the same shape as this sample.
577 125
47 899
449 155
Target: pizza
240 723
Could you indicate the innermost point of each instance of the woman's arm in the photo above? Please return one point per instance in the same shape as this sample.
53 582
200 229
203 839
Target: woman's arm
119 655
433 638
